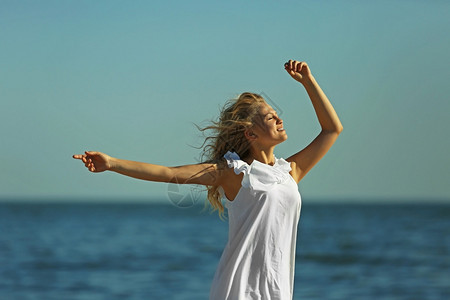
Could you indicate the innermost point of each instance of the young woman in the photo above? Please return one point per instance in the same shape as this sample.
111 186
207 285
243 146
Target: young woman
260 190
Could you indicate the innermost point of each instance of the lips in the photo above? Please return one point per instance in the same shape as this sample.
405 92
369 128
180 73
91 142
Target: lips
280 129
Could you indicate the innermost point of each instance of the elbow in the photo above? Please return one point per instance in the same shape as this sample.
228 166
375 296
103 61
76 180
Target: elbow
335 130
338 127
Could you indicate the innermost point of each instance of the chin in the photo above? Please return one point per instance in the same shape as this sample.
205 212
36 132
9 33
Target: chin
282 139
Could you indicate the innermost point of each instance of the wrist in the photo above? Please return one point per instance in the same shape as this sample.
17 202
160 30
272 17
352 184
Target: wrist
114 164
308 81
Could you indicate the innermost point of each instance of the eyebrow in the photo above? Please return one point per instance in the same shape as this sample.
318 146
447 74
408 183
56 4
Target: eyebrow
271 113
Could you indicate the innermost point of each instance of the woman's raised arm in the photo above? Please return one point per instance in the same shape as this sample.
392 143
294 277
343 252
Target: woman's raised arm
329 121
203 173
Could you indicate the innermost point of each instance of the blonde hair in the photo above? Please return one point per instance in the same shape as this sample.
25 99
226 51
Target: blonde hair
228 134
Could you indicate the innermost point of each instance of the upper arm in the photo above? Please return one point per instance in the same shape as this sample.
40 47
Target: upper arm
203 173
307 158
208 174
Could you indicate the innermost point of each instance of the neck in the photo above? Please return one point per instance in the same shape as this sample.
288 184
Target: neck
263 155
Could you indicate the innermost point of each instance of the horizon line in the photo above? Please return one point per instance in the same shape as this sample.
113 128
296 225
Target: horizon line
53 199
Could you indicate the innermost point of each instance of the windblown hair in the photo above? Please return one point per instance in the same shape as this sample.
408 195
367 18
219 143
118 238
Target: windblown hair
228 134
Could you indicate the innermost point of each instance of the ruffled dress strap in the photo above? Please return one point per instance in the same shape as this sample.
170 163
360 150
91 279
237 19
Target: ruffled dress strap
239 166
235 162
259 176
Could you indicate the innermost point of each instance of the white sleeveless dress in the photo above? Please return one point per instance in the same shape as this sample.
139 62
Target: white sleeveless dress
259 259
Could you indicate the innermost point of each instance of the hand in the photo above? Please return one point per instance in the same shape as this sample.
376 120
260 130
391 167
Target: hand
298 70
95 161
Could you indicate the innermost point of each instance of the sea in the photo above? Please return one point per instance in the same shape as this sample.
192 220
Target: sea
93 251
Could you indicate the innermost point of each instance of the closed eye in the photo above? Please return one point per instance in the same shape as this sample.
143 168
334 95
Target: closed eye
270 116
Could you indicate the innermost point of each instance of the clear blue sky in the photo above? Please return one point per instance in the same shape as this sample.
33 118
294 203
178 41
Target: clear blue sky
130 78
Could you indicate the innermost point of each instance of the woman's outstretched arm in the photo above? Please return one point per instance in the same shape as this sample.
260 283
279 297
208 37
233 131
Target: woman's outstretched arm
305 159
204 173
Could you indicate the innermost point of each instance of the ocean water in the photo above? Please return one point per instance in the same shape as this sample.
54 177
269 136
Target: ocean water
158 251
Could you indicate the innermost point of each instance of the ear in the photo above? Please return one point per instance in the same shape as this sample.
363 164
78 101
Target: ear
250 135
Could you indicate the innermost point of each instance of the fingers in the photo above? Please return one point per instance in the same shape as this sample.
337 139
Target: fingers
294 66
89 164
91 168
80 157
290 64
87 159
301 66
290 67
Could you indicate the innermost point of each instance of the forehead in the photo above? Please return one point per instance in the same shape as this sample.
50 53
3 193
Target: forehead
265 109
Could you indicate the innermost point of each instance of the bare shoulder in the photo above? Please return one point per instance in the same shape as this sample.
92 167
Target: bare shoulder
230 182
227 175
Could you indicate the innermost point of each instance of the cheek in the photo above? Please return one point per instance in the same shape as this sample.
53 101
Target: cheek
266 130
270 130
261 129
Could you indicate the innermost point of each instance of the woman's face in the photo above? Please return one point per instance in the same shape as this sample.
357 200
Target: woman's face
268 128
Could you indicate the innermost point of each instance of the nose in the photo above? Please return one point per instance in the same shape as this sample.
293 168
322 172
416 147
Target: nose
279 120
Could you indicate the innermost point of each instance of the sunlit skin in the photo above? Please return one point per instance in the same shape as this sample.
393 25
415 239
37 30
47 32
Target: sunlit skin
264 135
